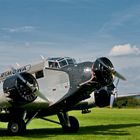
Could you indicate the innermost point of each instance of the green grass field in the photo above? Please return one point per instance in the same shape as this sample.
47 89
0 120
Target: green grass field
100 124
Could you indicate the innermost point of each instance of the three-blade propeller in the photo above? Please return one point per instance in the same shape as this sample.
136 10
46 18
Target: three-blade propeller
116 74
33 89
38 93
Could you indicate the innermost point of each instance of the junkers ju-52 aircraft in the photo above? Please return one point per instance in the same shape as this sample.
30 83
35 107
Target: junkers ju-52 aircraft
54 87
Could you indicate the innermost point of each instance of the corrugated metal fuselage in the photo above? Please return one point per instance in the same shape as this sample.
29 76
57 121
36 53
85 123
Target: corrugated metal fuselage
60 87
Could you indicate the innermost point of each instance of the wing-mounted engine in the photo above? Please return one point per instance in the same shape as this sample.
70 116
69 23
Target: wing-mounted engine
20 88
103 71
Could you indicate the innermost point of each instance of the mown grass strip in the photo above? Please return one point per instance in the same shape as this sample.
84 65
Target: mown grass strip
107 124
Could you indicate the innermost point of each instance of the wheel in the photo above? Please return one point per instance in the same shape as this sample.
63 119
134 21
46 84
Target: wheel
16 127
74 125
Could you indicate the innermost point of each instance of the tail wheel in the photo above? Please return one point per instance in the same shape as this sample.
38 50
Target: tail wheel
16 127
74 125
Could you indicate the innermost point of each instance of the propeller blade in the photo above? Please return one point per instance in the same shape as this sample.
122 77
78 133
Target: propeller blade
117 83
115 73
100 61
112 98
19 76
26 82
39 94
114 95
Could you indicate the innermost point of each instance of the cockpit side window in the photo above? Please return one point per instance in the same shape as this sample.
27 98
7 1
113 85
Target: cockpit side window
63 63
39 74
70 61
53 65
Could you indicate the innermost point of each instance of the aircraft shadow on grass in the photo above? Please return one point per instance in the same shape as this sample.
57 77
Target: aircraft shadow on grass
111 129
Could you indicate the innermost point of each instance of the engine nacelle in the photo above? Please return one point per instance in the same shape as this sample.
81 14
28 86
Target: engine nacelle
102 98
18 90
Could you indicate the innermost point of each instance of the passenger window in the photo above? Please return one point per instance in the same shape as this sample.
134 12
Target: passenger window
39 74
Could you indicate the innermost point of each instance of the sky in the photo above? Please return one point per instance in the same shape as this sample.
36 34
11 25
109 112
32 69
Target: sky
82 29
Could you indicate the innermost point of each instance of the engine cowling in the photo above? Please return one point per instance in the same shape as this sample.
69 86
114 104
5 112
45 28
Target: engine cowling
18 90
102 71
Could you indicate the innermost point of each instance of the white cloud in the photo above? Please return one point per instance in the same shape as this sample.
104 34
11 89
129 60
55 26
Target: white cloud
126 49
20 29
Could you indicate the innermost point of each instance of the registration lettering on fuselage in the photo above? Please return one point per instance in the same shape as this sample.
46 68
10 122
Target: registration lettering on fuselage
12 72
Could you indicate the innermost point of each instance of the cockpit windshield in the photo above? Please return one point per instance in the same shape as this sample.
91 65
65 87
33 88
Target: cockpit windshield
60 62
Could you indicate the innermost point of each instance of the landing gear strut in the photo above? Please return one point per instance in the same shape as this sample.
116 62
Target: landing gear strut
69 123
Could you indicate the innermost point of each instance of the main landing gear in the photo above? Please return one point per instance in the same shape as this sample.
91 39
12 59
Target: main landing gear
69 123
17 124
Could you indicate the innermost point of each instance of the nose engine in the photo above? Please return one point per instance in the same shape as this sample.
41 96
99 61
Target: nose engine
20 88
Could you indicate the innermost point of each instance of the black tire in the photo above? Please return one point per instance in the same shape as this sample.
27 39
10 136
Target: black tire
74 125
17 127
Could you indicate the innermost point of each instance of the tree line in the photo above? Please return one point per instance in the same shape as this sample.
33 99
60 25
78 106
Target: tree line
127 102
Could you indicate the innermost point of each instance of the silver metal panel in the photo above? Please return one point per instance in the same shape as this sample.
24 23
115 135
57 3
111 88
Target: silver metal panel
54 85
